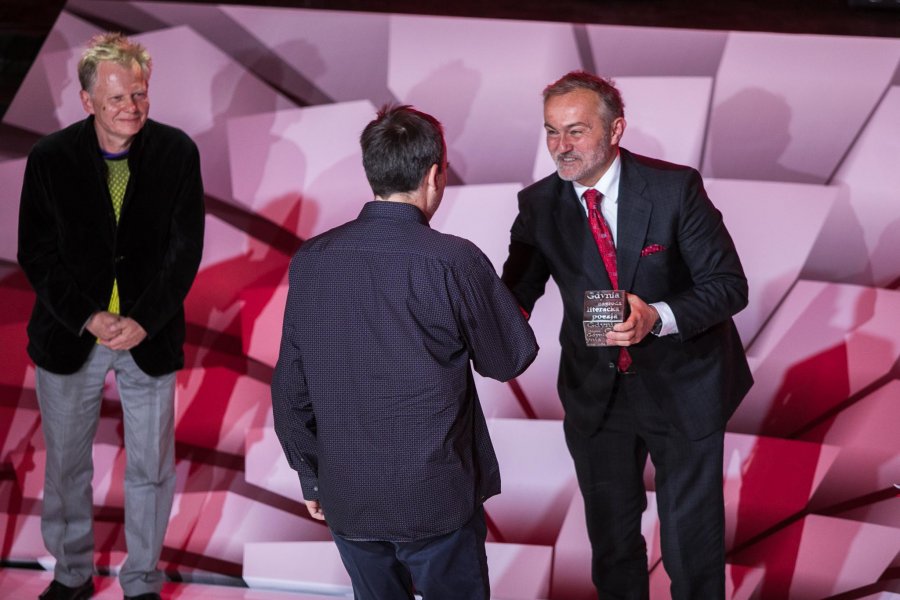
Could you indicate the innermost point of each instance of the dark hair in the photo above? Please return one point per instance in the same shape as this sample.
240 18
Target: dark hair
610 97
399 147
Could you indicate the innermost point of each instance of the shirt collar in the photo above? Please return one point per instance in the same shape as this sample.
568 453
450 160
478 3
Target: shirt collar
608 184
384 209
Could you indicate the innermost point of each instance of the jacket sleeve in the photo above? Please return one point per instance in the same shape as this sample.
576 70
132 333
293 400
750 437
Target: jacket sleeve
719 287
39 252
525 271
164 295
500 341
295 421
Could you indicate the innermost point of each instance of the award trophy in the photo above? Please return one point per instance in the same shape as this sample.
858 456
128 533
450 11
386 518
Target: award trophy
602 310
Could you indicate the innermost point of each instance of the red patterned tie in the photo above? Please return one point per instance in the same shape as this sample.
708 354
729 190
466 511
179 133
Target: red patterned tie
607 247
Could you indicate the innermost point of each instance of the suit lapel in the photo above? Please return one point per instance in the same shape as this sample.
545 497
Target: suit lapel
633 220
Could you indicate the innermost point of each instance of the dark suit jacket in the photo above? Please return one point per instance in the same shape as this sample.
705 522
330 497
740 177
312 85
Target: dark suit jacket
699 375
71 248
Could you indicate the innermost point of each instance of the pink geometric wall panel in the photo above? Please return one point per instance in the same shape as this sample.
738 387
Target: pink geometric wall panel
665 116
662 52
756 465
262 334
195 86
860 241
240 405
11 171
538 382
825 342
869 460
538 478
803 170
817 557
772 250
266 466
469 79
48 97
777 114
885 512
218 524
306 160
343 54
519 570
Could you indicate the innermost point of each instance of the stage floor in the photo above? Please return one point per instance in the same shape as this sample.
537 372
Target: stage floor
27 584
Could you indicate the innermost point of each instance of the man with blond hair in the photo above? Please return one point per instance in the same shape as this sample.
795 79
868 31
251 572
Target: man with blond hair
110 238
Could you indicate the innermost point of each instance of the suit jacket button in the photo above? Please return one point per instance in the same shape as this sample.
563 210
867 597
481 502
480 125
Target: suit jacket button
611 365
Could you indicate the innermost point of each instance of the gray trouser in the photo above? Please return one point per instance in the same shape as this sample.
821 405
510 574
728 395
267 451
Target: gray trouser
70 412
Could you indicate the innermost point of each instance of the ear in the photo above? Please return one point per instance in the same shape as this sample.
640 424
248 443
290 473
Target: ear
431 179
618 129
86 102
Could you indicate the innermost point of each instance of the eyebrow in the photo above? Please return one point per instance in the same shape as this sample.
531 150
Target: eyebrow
569 126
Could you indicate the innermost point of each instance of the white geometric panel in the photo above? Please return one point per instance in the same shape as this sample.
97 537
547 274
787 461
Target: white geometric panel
471 79
296 566
860 241
778 115
773 225
306 157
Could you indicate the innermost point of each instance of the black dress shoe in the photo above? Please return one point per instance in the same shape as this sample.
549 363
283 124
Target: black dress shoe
147 596
58 591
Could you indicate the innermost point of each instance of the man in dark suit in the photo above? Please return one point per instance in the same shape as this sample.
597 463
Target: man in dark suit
373 396
110 238
674 370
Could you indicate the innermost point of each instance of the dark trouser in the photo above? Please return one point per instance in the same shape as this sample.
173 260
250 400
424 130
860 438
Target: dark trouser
610 466
452 566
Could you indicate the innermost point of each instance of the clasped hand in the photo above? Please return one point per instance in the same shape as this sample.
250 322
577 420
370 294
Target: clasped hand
115 331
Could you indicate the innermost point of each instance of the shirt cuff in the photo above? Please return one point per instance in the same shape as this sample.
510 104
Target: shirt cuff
669 326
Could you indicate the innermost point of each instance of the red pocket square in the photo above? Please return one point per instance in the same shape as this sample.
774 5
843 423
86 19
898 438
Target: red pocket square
652 249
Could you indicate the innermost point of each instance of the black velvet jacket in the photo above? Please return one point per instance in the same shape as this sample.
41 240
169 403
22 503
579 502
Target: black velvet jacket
71 248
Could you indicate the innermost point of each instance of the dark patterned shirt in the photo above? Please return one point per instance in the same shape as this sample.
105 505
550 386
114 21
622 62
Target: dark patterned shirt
373 393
